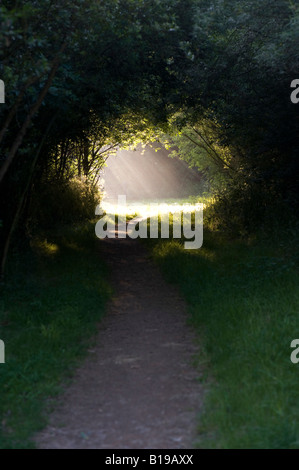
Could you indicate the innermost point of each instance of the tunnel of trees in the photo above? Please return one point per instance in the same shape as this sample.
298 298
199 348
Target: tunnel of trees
211 78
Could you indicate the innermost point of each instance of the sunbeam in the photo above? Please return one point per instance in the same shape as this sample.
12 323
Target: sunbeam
148 175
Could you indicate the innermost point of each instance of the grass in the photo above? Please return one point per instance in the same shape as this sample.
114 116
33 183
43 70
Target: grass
53 297
244 303
243 298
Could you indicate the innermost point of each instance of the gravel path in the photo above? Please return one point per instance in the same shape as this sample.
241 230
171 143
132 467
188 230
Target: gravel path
137 389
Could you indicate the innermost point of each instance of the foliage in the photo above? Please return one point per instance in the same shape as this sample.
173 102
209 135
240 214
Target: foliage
245 85
200 147
243 299
61 84
213 77
62 202
237 123
55 296
211 73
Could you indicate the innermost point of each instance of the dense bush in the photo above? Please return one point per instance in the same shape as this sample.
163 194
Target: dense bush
243 210
63 202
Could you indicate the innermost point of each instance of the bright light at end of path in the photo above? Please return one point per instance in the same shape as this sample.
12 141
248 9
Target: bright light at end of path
187 217
146 210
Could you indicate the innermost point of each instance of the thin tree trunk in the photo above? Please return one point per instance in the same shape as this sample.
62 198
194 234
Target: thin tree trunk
34 109
21 202
14 109
86 150
221 161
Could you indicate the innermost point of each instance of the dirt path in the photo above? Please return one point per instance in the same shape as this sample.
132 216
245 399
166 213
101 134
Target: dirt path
137 389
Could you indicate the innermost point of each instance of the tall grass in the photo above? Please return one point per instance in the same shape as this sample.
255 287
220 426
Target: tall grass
244 302
49 306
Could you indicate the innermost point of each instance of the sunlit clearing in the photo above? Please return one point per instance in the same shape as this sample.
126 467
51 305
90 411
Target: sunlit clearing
146 210
148 175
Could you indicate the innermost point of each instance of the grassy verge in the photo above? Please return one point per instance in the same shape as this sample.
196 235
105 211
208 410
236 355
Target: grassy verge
53 297
244 301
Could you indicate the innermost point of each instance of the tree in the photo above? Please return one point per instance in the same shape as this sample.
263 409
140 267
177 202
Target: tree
115 70
243 62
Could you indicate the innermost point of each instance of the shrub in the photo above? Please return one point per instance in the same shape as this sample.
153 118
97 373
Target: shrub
63 202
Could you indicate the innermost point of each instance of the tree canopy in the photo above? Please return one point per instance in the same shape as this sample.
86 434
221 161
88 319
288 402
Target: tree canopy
212 76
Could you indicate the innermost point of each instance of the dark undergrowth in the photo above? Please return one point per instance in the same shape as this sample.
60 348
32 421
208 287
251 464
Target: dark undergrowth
53 297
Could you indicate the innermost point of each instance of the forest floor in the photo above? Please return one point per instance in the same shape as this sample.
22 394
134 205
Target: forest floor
139 387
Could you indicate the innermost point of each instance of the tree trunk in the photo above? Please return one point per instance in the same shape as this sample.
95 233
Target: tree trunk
34 109
86 150
21 202
15 107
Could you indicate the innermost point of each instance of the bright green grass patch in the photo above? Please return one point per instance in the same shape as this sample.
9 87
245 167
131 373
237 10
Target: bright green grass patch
52 299
244 302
